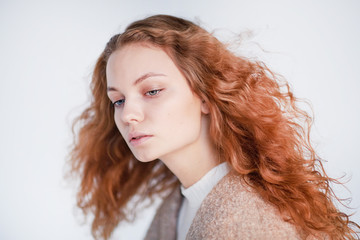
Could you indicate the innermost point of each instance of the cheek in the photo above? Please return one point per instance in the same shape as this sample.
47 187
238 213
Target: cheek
119 123
179 115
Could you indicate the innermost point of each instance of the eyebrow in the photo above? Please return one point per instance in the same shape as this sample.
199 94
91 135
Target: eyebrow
139 80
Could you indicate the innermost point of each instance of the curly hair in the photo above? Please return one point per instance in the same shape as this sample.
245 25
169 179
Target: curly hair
255 125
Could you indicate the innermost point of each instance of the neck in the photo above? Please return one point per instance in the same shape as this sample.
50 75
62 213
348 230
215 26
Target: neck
191 163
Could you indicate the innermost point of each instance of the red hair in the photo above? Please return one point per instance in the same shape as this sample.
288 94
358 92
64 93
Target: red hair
255 126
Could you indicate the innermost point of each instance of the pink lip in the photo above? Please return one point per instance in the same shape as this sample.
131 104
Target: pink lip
136 138
140 140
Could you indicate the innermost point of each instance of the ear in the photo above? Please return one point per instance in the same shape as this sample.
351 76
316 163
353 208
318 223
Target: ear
204 107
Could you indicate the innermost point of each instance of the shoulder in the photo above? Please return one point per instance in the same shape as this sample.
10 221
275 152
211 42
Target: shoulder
234 211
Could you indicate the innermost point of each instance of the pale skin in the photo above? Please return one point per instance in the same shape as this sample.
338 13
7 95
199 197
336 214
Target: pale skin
154 102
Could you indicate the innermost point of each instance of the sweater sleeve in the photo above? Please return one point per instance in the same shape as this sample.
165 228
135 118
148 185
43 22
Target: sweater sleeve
233 211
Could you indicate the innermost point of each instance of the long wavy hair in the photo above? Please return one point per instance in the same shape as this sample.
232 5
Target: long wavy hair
255 126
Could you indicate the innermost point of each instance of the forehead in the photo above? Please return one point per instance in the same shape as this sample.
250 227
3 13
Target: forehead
133 60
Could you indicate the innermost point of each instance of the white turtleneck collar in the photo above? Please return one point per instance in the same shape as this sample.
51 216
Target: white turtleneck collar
195 194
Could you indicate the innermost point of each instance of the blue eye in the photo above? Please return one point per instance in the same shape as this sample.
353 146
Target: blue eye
119 102
153 92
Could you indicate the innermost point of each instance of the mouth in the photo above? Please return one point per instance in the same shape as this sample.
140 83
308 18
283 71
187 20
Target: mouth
139 139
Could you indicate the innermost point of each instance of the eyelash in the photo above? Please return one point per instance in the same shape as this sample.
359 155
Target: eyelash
118 103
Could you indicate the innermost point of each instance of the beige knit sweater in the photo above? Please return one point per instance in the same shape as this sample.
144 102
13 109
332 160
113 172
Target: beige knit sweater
232 210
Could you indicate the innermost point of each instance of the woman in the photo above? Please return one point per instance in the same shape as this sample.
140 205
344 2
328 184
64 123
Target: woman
174 110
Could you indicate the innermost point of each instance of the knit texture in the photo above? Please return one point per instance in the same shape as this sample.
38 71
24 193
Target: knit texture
163 226
232 210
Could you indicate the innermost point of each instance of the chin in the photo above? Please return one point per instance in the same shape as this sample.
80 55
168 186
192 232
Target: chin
145 158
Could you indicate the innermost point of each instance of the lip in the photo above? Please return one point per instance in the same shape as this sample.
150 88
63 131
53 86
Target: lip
140 138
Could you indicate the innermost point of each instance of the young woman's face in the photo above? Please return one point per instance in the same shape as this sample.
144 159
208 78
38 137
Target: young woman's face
155 110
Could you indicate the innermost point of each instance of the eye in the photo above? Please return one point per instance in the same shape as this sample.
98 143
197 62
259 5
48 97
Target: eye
118 103
153 92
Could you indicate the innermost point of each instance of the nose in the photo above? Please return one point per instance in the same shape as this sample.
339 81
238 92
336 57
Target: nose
132 112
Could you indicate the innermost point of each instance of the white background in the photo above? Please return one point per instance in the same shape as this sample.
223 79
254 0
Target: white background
48 49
